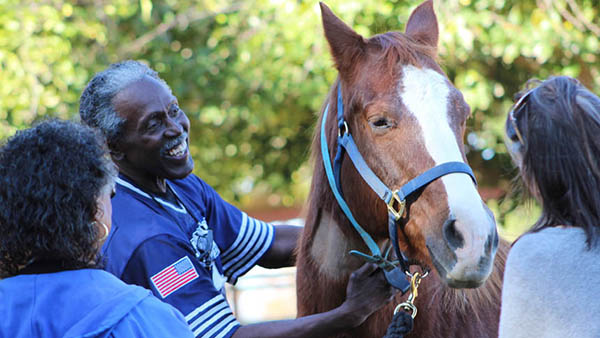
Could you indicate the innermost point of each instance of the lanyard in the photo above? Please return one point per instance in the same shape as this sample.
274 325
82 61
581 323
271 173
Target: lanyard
203 250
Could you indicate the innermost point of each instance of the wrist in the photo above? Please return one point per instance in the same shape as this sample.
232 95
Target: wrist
351 316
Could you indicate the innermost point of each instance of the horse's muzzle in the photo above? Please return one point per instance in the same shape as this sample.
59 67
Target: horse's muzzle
463 260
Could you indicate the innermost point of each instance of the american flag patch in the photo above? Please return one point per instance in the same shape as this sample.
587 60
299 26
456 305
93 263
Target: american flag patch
174 276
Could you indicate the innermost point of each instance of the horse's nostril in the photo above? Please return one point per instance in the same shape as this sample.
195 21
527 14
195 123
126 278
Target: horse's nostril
454 239
492 243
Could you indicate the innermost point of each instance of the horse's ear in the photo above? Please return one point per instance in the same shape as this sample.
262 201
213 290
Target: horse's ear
422 24
346 45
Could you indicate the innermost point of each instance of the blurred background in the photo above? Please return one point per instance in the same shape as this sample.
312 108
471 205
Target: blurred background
252 76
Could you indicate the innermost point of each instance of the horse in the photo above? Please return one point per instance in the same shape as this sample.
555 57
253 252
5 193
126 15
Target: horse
406 117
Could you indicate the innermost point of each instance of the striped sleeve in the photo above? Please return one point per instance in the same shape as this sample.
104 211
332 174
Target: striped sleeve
253 240
212 319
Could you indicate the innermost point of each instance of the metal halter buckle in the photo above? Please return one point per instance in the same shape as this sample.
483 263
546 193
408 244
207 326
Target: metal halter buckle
401 205
345 131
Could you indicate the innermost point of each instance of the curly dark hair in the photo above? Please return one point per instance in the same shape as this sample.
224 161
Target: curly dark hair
559 122
50 179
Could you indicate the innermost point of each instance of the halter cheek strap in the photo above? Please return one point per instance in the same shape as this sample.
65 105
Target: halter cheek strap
394 271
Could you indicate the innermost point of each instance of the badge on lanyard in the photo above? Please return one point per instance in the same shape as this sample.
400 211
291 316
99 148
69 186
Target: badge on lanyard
203 243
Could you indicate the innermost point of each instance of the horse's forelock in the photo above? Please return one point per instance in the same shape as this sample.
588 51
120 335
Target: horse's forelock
396 48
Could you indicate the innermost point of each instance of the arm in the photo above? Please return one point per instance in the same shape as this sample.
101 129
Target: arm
367 292
281 253
245 241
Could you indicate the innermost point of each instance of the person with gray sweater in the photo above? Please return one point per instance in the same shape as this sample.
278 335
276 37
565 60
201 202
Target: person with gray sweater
552 276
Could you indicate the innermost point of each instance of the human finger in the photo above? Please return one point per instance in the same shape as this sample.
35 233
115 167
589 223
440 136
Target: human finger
367 269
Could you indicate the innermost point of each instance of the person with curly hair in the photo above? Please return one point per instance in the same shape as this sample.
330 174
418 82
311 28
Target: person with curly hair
56 183
174 235
552 277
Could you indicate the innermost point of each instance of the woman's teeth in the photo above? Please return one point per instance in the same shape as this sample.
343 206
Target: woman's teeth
179 150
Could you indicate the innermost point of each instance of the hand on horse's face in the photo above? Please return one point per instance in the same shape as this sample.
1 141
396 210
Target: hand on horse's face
367 292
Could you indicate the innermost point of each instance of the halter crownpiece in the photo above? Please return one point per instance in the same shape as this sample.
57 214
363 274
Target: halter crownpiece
395 271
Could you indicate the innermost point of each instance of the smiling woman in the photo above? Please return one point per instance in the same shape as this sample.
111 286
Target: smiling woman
155 142
148 137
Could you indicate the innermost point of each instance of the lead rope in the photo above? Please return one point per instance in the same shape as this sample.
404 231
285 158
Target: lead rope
405 313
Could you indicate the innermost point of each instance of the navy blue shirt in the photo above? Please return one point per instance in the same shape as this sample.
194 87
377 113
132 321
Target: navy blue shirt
185 253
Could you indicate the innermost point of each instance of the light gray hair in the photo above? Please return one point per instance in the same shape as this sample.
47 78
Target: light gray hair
96 106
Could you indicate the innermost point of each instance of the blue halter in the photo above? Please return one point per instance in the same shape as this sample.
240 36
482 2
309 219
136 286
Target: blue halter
394 271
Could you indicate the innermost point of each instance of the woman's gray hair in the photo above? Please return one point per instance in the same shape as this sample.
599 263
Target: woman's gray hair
95 105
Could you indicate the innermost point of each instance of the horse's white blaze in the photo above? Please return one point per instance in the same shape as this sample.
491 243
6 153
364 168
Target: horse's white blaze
425 93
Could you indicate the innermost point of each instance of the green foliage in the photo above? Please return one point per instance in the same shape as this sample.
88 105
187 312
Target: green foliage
253 74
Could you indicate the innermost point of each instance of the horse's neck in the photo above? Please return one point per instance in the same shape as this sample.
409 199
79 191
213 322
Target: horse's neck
330 247
328 234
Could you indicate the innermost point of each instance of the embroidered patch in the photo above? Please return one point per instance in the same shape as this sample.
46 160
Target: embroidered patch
205 248
174 276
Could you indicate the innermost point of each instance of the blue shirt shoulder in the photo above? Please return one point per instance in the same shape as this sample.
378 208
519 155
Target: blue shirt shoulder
92 302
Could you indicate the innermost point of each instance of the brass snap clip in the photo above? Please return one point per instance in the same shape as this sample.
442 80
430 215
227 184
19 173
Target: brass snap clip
409 305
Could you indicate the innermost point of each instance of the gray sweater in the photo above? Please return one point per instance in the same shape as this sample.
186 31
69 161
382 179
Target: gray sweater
551 286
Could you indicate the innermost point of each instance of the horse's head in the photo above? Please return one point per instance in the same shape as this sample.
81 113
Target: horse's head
406 117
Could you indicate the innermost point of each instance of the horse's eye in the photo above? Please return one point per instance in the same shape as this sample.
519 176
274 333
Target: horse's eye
380 123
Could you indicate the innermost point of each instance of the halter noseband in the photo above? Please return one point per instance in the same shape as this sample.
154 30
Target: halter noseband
393 270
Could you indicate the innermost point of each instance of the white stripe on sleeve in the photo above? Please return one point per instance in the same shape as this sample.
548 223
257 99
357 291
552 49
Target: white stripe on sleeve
259 237
235 247
212 317
203 307
258 251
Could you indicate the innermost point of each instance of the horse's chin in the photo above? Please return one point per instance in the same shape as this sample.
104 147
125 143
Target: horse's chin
462 284
468 278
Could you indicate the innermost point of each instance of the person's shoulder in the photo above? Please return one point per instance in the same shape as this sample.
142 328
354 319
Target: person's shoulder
123 245
102 282
190 185
190 180
546 242
157 319
195 190
554 246
155 305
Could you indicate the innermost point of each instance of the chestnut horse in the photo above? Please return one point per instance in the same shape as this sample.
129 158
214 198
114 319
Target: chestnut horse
406 117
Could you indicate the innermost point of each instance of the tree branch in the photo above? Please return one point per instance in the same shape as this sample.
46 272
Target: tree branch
548 6
568 16
581 18
186 17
